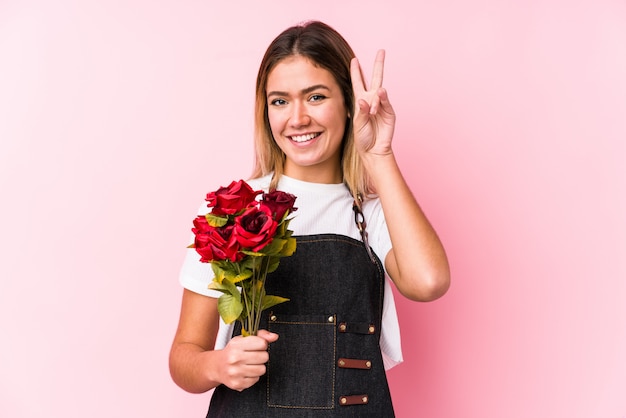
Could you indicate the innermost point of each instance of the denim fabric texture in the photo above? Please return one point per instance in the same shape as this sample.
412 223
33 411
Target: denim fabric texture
330 280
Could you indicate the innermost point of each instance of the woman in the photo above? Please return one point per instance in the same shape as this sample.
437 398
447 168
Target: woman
325 137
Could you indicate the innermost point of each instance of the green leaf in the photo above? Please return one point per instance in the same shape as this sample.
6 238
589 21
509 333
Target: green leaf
225 286
236 278
252 253
229 307
247 264
274 247
258 284
216 221
289 248
233 272
280 230
270 300
217 286
218 272
273 264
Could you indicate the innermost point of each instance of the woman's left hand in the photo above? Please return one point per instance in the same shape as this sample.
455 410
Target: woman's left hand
373 119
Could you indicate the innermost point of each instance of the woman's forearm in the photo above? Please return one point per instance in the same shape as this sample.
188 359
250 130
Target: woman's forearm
191 367
417 263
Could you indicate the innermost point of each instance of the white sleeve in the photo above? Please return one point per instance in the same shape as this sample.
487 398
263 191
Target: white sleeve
378 233
390 339
197 276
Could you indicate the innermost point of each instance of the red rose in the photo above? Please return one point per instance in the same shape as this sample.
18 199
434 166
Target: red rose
278 203
232 247
255 228
215 244
232 199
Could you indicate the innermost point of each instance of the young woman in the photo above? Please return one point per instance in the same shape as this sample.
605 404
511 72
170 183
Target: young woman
324 136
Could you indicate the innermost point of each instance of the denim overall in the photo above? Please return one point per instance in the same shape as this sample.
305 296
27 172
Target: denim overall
327 361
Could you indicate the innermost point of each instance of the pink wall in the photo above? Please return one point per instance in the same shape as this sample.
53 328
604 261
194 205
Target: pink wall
116 117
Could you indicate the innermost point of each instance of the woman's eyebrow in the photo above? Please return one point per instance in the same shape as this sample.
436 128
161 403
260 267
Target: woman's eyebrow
303 91
315 87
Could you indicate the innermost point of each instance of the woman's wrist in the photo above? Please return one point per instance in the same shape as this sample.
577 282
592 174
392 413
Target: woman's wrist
378 165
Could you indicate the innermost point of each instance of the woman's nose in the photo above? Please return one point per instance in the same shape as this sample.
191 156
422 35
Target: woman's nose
299 115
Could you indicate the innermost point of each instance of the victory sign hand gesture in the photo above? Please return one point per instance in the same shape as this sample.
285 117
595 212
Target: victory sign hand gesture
374 119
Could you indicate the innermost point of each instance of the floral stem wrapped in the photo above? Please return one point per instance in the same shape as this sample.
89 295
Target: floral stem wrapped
244 239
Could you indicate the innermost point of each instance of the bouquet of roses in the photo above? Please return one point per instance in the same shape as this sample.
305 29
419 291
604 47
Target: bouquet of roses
244 238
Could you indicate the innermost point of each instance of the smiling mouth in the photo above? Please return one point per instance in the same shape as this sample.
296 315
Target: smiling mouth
304 138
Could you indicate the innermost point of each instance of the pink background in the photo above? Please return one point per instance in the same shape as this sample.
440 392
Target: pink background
117 116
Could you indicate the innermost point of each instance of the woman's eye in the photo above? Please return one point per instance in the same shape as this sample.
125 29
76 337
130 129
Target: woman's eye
317 98
278 102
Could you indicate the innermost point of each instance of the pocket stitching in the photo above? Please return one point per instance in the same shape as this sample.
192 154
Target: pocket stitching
333 368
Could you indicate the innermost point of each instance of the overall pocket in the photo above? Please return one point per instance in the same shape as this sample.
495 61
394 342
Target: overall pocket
301 369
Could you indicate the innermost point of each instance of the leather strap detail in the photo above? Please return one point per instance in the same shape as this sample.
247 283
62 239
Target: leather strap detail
359 219
353 400
357 328
354 363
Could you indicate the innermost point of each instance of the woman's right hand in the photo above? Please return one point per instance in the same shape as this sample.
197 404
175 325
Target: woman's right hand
244 360
197 367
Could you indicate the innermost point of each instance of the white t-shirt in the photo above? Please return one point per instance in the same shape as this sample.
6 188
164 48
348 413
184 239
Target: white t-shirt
322 209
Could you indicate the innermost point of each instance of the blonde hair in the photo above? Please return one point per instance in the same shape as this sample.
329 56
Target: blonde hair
326 48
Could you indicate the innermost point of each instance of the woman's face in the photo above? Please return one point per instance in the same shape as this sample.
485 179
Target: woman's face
307 116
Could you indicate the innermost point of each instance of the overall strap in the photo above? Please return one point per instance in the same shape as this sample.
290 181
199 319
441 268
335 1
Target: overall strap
359 219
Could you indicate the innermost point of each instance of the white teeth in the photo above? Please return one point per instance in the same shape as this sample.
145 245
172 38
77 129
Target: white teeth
303 138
